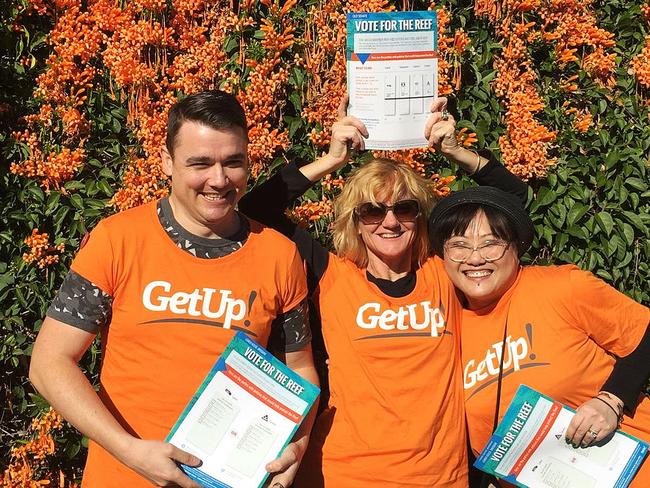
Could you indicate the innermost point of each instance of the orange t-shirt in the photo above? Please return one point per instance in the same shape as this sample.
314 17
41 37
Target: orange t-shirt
395 416
173 315
563 326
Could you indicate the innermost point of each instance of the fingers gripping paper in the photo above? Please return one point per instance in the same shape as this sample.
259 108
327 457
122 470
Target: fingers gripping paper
528 449
392 74
242 416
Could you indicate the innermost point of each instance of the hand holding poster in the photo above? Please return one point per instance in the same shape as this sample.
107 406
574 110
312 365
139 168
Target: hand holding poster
392 75
528 449
242 416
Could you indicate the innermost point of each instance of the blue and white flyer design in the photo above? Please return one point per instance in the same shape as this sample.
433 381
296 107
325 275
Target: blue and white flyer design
528 449
242 416
392 75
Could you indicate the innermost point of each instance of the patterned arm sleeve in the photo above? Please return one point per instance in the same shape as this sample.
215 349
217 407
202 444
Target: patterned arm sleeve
290 331
81 304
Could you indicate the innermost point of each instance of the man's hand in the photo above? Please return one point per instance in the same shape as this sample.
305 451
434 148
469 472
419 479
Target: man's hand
440 129
157 461
283 469
593 422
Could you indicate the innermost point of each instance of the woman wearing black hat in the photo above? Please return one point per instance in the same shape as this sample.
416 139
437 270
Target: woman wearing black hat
557 329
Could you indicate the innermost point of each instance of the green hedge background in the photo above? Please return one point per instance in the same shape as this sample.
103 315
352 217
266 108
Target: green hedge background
592 209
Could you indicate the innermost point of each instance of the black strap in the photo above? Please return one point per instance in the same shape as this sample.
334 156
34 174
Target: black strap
500 380
487 479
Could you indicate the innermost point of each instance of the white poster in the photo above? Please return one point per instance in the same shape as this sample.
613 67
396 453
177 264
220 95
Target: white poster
392 75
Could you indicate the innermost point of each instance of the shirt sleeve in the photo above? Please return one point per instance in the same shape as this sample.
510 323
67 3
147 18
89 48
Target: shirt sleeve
85 297
630 374
613 320
291 331
82 304
290 282
95 260
497 175
267 203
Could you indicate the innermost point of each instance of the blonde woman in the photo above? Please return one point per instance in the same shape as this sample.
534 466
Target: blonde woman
389 317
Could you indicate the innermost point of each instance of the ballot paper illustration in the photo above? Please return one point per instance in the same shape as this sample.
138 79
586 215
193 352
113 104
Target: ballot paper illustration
392 75
242 416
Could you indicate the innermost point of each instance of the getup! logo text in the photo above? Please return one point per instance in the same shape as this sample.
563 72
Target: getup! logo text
207 306
416 319
517 354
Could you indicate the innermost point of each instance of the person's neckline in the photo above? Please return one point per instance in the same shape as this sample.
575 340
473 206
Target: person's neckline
231 224
398 288
239 236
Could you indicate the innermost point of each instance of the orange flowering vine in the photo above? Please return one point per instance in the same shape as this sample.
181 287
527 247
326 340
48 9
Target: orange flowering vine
308 212
40 250
29 467
640 64
570 26
582 121
148 51
466 138
524 146
50 170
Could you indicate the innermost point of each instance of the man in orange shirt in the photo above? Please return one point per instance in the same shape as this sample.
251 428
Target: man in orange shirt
167 284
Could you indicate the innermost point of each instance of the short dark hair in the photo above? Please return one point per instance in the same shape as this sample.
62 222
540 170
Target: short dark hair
214 108
456 221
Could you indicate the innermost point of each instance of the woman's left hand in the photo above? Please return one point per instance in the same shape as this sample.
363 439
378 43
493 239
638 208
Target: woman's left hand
440 128
593 422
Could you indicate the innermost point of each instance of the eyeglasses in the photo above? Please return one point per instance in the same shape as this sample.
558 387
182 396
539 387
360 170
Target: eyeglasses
404 211
490 251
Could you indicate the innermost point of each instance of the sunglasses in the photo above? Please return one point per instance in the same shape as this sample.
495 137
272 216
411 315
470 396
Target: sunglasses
371 213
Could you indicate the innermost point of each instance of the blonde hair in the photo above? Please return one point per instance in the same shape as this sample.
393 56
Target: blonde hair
379 179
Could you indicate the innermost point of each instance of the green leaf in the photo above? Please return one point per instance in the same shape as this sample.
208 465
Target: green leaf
577 232
77 201
232 42
299 76
106 173
41 404
604 275
36 192
545 197
635 220
637 183
611 159
628 232
52 202
576 212
105 187
605 222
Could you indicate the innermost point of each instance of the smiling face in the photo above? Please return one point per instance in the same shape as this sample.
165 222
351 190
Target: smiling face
482 282
209 171
389 244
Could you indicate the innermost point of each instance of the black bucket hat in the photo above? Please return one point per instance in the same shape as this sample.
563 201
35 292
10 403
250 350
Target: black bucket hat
490 197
